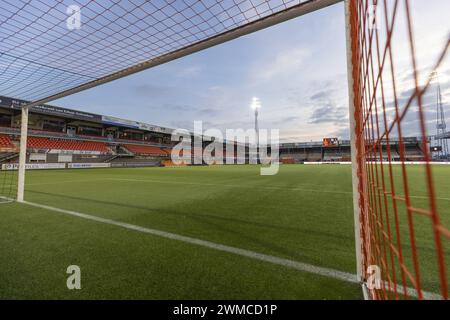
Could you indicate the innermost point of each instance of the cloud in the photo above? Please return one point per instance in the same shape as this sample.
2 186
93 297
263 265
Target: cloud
342 133
189 71
208 112
285 63
320 95
182 124
328 113
151 90
329 105
177 107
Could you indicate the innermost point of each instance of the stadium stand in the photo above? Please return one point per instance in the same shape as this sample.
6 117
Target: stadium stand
91 139
145 150
414 153
332 155
71 145
5 142
287 160
314 155
135 161
170 163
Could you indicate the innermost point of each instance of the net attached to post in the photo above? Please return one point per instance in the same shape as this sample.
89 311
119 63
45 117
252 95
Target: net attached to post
403 213
8 182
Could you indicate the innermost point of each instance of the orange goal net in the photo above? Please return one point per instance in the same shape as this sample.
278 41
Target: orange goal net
401 210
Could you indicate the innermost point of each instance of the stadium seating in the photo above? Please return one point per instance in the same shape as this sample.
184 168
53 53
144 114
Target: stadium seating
332 155
72 145
287 160
5 142
170 163
314 155
145 150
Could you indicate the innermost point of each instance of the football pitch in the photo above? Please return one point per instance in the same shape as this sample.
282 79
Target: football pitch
219 232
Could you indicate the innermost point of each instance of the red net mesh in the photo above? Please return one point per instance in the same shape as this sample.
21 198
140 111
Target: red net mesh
404 222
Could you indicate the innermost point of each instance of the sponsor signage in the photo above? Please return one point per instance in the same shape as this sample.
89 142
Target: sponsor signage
120 122
16 104
55 151
34 166
149 127
50 110
88 165
134 125
45 166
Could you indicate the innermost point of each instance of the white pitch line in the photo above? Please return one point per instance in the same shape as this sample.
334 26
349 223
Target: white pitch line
326 272
412 292
64 182
321 271
6 199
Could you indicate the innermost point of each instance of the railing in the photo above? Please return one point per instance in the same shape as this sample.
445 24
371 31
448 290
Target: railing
61 135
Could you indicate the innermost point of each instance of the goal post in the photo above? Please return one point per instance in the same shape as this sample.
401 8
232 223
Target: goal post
356 178
22 154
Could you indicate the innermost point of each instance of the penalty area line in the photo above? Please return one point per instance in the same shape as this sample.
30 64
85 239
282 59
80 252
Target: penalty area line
300 266
325 272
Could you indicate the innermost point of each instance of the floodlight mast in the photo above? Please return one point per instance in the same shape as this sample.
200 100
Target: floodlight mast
256 105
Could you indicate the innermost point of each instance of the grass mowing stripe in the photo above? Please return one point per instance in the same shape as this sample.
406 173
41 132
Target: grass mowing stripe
230 185
321 271
216 184
326 272
254 187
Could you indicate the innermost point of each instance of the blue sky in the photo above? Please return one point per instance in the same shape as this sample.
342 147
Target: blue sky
297 69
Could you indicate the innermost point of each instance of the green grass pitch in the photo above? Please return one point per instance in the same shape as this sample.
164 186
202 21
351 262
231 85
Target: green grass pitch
303 214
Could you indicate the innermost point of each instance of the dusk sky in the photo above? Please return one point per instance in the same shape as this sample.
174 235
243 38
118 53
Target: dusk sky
297 69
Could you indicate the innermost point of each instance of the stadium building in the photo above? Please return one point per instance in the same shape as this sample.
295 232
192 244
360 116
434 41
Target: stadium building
82 139
60 135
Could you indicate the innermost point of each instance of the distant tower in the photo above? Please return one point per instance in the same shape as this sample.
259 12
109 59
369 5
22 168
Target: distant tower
441 126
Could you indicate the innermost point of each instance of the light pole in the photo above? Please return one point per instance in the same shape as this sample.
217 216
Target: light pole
256 105
441 126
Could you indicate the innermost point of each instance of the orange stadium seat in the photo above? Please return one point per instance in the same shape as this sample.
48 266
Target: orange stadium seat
5 142
72 145
145 150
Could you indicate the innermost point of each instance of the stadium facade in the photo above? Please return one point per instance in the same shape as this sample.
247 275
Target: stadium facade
61 137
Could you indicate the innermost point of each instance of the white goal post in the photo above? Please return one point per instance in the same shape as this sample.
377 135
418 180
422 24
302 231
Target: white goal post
22 154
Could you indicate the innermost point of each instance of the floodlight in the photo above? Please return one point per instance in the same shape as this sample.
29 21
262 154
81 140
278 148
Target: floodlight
256 103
